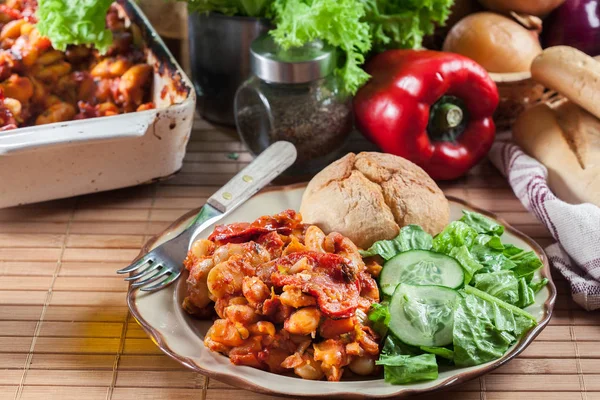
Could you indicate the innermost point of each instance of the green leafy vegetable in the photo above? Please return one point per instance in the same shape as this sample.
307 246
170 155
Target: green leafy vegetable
515 310
526 263
466 261
493 242
443 352
393 346
411 237
67 22
491 258
405 364
456 234
355 26
337 22
484 327
538 285
526 294
477 339
501 284
402 24
511 250
405 369
379 315
486 317
505 286
482 224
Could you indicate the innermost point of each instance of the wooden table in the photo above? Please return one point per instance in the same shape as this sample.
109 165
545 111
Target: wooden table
67 334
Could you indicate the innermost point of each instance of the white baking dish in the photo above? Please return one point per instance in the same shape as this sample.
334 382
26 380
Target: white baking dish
77 157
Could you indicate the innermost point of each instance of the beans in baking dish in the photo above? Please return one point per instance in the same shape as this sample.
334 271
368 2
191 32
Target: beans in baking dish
41 85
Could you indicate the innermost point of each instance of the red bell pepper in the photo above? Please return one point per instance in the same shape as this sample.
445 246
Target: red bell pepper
430 107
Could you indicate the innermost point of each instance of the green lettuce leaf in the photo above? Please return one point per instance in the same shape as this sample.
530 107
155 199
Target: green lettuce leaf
505 286
392 346
501 284
456 234
511 250
379 315
337 22
526 263
405 369
491 258
411 237
526 294
493 242
466 261
485 327
439 351
67 22
491 253
521 314
403 363
482 224
476 338
538 285
403 24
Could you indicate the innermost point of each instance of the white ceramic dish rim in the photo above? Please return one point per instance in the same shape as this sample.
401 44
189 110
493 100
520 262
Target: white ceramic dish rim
242 379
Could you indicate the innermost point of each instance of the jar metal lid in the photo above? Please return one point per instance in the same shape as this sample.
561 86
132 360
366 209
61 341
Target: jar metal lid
271 63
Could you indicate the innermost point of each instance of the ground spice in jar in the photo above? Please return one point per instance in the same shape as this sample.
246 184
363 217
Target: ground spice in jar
307 117
312 114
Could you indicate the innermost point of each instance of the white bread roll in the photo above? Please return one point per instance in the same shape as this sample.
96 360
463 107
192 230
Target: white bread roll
370 196
574 176
571 73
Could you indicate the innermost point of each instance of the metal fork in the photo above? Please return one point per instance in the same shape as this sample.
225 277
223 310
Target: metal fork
164 264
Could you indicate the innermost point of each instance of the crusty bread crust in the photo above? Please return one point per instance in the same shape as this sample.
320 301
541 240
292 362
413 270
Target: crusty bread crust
571 73
539 133
370 196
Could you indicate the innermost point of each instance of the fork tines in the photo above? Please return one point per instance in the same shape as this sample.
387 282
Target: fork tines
153 272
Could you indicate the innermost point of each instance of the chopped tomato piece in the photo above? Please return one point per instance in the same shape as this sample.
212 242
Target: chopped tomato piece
330 281
282 223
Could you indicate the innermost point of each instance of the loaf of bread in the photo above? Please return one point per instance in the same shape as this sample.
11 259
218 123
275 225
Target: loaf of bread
566 137
571 73
567 141
370 196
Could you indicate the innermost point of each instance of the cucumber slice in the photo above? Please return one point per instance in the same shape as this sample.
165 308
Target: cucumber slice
421 267
423 315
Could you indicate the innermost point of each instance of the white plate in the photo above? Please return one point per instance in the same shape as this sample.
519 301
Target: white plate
181 337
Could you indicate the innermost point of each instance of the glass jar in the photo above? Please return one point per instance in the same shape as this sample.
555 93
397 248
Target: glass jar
294 96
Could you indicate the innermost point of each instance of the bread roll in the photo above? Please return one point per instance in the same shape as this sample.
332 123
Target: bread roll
370 196
571 73
580 129
574 176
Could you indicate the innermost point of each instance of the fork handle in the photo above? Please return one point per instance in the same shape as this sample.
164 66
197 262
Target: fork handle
258 174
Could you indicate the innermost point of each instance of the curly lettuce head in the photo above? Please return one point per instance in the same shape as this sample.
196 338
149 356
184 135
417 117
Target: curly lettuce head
403 24
337 22
67 22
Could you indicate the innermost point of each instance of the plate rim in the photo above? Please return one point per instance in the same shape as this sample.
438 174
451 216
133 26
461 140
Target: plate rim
158 339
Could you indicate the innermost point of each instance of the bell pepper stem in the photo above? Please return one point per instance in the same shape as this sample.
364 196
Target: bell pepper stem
447 116
447 119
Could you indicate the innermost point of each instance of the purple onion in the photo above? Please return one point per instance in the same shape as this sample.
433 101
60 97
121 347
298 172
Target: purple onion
575 23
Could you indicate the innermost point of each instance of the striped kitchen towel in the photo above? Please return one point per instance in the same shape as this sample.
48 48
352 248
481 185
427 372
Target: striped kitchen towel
576 228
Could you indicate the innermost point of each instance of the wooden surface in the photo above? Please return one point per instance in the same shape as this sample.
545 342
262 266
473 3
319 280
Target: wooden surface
66 332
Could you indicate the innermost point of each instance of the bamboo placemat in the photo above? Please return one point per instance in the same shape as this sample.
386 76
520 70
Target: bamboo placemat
65 332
